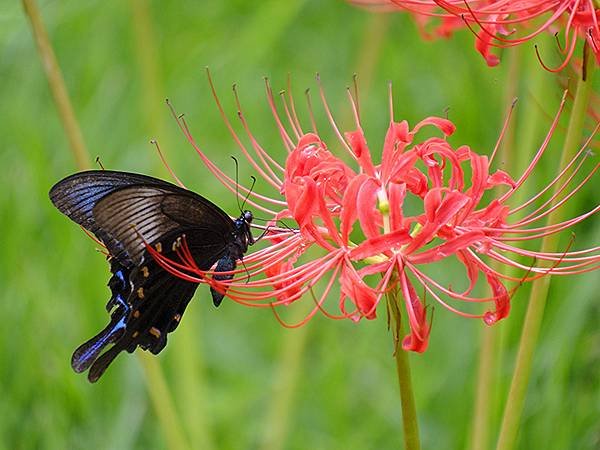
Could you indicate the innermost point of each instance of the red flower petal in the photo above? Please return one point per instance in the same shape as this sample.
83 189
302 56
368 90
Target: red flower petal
502 299
285 288
353 287
368 214
380 244
359 146
449 206
396 140
418 339
448 248
349 212
444 125
397 193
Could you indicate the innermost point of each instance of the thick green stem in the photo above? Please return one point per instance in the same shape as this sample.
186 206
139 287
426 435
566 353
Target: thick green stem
410 424
57 86
539 292
407 399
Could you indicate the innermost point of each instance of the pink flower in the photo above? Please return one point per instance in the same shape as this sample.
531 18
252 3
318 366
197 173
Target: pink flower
377 224
501 23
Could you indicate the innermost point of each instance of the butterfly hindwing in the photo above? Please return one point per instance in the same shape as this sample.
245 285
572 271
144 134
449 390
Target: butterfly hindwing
157 303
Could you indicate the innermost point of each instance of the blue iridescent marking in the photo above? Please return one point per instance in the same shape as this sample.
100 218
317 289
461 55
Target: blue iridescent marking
122 303
121 276
85 355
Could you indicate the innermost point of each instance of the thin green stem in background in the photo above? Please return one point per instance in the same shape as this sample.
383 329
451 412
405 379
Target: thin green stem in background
539 292
489 359
190 390
157 387
57 85
285 382
163 403
147 54
410 424
278 417
367 59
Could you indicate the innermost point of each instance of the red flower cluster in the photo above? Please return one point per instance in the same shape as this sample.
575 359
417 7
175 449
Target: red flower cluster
506 23
367 227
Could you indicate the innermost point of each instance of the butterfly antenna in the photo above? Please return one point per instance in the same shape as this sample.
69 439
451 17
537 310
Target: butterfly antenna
237 183
249 192
99 162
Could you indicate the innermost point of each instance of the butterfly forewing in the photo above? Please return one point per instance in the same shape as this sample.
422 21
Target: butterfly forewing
76 195
151 212
117 204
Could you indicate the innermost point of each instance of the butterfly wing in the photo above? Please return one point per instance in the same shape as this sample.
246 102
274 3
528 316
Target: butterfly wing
147 302
153 309
118 207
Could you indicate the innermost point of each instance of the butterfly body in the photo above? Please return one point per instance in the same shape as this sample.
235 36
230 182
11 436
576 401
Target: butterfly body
127 212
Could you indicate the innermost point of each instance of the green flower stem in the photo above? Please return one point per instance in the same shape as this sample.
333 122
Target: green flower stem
407 397
539 292
163 403
57 85
410 423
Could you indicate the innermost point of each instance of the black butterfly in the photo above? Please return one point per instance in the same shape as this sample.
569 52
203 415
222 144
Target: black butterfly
125 209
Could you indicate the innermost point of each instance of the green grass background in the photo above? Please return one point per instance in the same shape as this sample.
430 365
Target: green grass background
237 378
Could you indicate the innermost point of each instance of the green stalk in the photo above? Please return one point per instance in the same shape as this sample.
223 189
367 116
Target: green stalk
367 59
284 386
189 393
57 86
147 54
410 424
539 291
163 403
158 391
486 374
489 358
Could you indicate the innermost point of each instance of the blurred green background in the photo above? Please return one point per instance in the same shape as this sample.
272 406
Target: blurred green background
237 378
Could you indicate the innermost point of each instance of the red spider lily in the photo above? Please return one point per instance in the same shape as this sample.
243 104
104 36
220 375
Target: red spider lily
506 23
357 233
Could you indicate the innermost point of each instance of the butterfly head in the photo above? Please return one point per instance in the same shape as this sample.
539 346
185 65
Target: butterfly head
247 216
